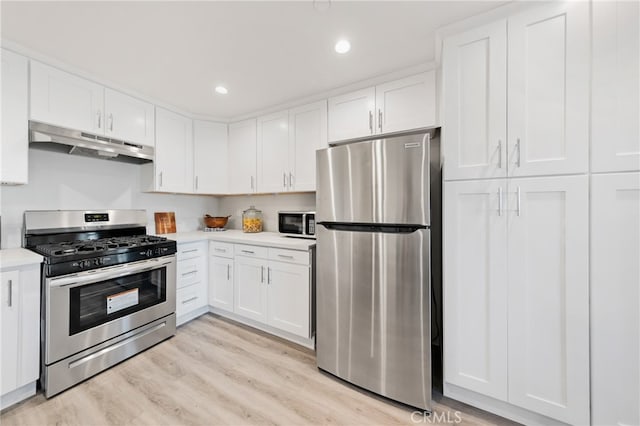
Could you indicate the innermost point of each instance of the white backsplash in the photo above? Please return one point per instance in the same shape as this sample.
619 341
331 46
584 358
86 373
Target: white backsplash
269 204
67 182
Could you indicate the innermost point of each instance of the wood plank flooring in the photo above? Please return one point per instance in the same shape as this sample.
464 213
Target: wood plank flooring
217 372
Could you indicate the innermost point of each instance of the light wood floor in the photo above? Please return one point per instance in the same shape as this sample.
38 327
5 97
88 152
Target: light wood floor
218 372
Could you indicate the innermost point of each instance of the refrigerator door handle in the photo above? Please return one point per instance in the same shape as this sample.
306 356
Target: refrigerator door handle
389 228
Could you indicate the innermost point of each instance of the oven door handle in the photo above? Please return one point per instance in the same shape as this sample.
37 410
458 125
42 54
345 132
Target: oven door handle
77 280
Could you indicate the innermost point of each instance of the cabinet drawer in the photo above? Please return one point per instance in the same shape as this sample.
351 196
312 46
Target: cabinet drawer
221 249
189 272
251 251
189 299
293 256
190 250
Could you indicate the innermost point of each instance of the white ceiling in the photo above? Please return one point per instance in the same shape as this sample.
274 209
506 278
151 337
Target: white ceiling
265 53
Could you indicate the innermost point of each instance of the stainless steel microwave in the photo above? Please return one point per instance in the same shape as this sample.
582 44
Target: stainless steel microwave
297 223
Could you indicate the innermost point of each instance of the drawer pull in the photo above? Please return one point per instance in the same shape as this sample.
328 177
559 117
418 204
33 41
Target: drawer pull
284 256
220 250
190 251
191 299
248 251
189 273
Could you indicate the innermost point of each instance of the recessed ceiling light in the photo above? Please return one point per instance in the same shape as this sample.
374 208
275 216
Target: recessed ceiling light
343 46
222 90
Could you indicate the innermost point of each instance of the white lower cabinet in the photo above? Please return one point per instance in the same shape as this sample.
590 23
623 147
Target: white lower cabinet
191 281
288 284
20 333
250 292
615 299
516 293
221 275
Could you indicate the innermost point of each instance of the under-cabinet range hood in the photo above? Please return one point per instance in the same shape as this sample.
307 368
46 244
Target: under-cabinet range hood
60 139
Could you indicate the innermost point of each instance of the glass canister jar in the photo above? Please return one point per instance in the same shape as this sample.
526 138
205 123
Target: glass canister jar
252 220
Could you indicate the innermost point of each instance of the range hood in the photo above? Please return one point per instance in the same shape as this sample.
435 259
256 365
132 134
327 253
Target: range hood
60 139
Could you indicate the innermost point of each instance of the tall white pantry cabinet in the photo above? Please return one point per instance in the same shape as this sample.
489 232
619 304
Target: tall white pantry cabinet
541 153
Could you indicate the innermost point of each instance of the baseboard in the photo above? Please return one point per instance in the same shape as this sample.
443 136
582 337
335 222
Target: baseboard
191 315
15 396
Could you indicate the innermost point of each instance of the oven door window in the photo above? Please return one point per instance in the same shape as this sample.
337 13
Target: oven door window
290 224
97 303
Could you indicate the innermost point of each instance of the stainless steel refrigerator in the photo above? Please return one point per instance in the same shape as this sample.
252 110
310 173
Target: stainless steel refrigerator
373 296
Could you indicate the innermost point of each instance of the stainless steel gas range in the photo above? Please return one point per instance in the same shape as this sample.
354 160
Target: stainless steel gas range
108 290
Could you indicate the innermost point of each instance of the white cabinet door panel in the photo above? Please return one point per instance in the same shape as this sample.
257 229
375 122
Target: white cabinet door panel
288 297
548 90
307 134
615 299
221 282
242 155
351 115
174 152
475 289
475 103
250 288
210 160
14 146
128 118
273 152
10 313
548 325
615 138
66 100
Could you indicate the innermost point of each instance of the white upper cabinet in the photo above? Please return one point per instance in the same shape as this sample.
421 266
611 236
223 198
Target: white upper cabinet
273 152
351 115
548 90
615 299
14 146
408 103
615 133
66 100
210 157
475 296
242 155
475 103
307 134
128 118
548 322
174 152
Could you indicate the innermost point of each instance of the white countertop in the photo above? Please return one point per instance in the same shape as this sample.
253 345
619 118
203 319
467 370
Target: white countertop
15 257
267 239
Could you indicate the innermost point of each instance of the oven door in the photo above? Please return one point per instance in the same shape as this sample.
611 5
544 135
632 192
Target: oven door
291 223
88 308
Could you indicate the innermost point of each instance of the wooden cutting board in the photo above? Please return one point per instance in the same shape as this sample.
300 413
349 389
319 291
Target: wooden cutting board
165 222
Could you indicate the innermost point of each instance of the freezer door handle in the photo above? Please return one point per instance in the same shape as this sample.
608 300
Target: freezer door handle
389 228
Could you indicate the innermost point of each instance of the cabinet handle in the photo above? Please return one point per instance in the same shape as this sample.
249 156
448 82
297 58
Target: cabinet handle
190 250
284 180
189 273
160 178
191 299
196 183
111 122
220 250
248 251
285 256
518 202
228 272
371 122
268 275
252 183
519 149
500 201
10 303
290 180
99 114
499 153
262 274
380 120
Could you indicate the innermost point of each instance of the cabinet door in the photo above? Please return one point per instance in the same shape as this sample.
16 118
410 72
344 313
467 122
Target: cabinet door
242 155
288 297
307 134
29 363
174 152
475 286
250 288
475 103
549 297
548 90
615 137
210 157
10 328
66 100
351 115
14 155
221 283
406 104
128 118
615 299
273 152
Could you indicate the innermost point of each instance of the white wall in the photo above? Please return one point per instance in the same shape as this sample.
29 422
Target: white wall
269 204
68 182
